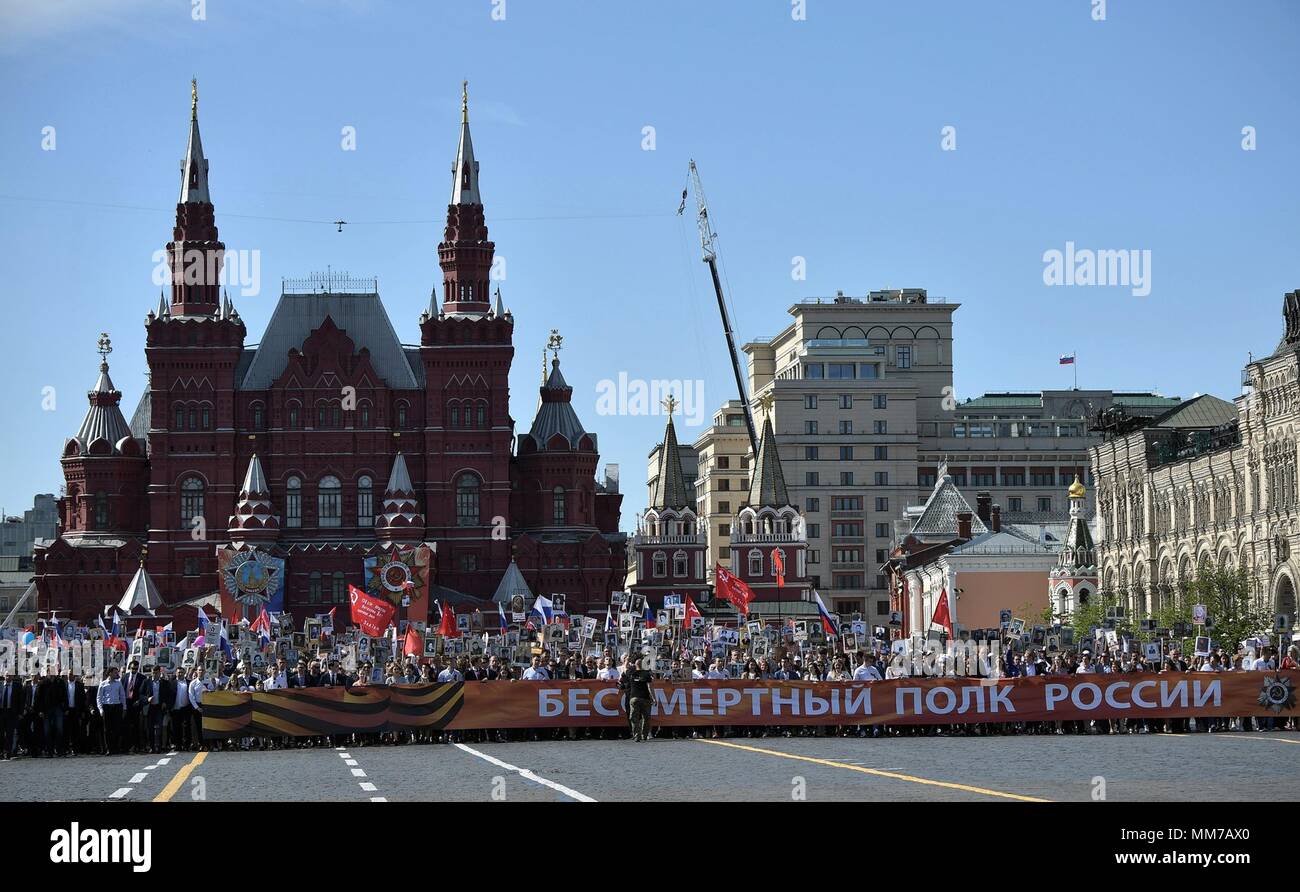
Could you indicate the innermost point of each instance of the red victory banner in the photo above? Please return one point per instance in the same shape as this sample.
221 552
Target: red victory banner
372 614
732 590
904 701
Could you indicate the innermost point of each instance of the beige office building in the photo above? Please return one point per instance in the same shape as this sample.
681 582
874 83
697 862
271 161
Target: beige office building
865 413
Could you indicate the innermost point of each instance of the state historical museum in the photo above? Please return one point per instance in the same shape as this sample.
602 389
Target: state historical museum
330 453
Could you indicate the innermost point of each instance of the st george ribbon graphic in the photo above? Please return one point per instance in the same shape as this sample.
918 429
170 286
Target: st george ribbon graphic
904 701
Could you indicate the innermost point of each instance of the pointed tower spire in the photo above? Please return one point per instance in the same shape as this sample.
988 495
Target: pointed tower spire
498 308
194 169
400 520
195 253
767 488
254 519
141 596
162 304
103 419
465 253
464 180
670 487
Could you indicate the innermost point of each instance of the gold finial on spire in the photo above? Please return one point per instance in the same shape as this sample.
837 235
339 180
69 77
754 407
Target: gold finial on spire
1076 490
464 102
765 403
670 404
105 348
194 98
543 366
555 343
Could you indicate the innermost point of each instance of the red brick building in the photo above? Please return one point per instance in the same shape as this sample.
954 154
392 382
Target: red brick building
316 416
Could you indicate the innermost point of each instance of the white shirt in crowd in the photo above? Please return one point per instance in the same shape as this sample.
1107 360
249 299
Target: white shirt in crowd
182 695
198 687
717 673
609 674
538 674
698 675
450 674
867 672
1260 665
1085 669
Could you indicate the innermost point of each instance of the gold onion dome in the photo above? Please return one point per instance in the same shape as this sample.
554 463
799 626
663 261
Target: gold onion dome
1076 490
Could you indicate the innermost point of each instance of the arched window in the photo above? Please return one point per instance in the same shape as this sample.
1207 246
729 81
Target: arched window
207 417
336 416
467 500
294 416
679 563
259 417
313 587
755 564
321 416
191 501
329 502
557 505
365 502
365 415
481 420
194 418
339 588
293 502
660 564
455 417
101 511
179 422
401 416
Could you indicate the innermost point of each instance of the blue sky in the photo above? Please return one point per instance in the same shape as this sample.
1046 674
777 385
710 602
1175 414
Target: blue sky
817 138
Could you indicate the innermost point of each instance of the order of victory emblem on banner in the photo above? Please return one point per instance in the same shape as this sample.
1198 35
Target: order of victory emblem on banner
253 579
399 573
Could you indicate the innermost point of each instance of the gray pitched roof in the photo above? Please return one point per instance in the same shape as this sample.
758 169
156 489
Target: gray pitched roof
768 484
939 518
670 487
1005 541
142 416
1199 412
141 594
361 316
555 414
104 416
512 583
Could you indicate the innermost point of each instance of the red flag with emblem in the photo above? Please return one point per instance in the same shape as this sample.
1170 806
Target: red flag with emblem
732 590
778 566
414 647
448 628
691 610
372 615
941 615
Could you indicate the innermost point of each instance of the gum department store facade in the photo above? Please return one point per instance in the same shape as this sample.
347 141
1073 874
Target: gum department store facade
1209 482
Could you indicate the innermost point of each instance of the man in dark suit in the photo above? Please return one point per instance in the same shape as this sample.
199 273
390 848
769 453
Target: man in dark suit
61 702
155 704
333 677
30 726
11 710
135 685
301 678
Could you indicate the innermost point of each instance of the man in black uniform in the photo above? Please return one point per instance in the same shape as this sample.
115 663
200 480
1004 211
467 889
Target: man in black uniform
636 682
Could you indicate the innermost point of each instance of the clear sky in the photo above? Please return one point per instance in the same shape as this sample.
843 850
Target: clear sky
818 138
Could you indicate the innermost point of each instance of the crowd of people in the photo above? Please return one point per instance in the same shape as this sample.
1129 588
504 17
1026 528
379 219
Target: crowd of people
158 709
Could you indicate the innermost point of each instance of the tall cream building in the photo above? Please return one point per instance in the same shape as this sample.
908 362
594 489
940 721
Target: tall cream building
1208 482
865 414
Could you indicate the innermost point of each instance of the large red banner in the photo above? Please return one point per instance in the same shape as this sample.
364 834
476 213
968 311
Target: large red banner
372 614
549 704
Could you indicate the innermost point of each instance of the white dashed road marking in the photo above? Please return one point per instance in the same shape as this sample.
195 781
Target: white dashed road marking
366 786
118 794
526 774
139 776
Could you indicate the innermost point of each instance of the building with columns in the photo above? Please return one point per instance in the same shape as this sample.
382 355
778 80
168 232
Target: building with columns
1209 482
330 441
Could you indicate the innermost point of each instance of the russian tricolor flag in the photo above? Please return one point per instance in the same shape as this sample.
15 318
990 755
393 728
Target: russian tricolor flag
1067 360
501 612
650 617
828 624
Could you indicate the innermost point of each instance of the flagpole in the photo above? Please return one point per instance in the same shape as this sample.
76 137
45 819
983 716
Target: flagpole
1075 357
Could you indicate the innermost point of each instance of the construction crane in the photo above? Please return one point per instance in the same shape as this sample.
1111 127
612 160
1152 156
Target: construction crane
711 258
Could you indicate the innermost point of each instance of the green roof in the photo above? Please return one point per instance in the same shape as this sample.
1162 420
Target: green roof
1199 412
1146 401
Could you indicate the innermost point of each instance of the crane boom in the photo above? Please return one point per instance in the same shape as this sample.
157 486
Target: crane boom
711 258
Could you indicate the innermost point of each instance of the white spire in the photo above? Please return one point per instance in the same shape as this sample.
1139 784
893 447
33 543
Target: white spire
194 169
464 173
498 308
141 594
162 304
255 479
400 480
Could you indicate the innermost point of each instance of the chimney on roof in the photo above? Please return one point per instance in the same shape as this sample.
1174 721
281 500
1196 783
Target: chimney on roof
995 518
963 525
983 501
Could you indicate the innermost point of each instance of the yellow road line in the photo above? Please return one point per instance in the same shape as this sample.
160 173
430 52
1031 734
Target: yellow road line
877 772
181 777
1261 739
